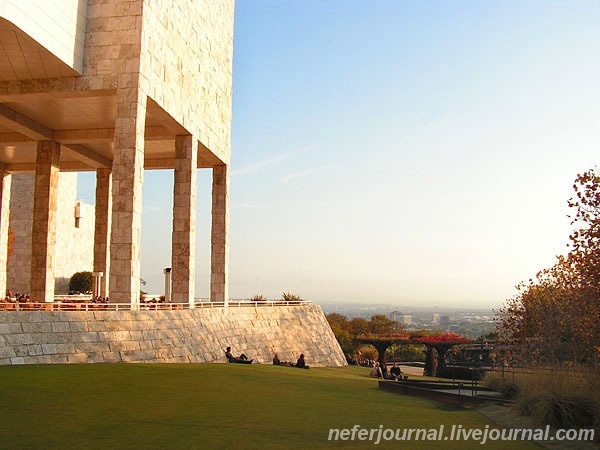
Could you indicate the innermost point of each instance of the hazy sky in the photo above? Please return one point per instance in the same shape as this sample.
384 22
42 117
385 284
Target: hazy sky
403 152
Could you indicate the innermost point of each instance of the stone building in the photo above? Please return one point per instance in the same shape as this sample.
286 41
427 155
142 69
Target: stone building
117 87
74 249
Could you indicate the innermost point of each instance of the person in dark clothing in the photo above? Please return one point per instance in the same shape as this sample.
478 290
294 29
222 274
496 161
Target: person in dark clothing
242 359
395 372
301 363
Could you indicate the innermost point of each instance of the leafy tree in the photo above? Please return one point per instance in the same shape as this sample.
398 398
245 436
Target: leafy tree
380 324
359 326
337 320
556 316
346 331
341 329
407 352
81 282
585 240
585 255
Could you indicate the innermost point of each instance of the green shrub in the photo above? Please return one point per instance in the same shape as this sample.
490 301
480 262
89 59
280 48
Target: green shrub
258 298
81 282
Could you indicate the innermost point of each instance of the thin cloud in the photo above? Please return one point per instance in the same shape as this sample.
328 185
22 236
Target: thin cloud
271 161
303 173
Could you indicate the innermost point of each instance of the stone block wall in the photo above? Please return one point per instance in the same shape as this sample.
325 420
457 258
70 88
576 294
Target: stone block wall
187 53
182 53
74 245
59 25
21 213
185 336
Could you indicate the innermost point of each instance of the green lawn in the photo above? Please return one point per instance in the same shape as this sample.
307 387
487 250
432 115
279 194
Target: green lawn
209 406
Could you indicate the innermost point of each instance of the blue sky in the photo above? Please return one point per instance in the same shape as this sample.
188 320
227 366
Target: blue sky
402 152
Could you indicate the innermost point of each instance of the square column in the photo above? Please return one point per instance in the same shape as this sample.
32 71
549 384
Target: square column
183 254
43 232
219 289
5 184
127 179
102 228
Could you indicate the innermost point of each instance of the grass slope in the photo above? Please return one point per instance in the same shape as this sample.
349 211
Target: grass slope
209 406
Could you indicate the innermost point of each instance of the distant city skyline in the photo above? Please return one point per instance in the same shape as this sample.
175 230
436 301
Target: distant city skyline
409 153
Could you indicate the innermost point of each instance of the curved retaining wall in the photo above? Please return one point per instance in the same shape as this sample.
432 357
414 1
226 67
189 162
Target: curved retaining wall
188 336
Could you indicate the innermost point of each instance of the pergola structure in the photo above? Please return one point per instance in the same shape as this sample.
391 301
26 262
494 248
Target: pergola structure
440 342
117 87
382 342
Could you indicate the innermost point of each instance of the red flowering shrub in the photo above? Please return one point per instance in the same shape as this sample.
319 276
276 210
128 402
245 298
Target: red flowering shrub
439 338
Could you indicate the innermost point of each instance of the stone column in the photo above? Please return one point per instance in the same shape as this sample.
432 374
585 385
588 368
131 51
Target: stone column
102 228
97 283
43 232
183 253
5 182
219 291
127 179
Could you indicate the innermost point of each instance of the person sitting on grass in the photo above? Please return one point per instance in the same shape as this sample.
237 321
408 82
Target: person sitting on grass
242 359
278 362
395 372
301 363
376 371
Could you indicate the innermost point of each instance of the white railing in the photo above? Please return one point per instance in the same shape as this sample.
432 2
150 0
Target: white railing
149 306
73 298
237 303
89 306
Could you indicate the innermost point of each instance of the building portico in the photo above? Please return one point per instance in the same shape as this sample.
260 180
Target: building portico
147 86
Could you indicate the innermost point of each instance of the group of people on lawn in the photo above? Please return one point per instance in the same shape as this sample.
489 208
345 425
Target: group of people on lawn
300 363
243 359
376 372
395 372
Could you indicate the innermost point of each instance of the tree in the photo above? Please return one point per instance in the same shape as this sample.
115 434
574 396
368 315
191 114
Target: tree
341 329
347 331
585 242
358 326
81 282
556 315
380 324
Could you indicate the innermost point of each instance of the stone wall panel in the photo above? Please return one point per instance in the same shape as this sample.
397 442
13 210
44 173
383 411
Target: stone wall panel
197 335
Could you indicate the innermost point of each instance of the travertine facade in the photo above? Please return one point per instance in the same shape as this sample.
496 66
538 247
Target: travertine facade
59 25
118 87
74 241
199 335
